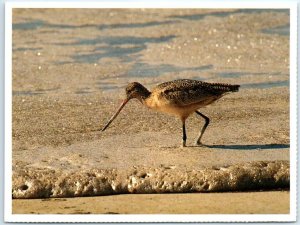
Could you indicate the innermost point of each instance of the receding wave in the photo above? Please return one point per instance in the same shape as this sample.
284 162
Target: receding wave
46 183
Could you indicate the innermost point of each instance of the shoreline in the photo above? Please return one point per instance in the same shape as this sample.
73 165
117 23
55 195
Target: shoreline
45 183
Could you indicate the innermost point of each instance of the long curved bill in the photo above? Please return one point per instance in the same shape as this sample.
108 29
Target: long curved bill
115 115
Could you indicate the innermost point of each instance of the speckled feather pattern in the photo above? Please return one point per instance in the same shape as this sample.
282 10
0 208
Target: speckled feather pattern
185 92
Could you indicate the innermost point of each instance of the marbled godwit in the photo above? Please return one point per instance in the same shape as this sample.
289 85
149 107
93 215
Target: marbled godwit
179 97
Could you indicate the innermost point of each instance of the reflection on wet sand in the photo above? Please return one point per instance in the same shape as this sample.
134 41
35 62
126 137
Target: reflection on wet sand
223 14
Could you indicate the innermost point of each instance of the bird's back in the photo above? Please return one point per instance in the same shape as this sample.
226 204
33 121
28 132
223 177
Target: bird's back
185 92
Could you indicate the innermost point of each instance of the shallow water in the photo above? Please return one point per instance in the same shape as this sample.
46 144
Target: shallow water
280 30
266 84
131 48
231 13
146 70
36 24
25 93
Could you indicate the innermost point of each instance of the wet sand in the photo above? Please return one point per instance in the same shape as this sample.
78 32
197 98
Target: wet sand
266 202
68 78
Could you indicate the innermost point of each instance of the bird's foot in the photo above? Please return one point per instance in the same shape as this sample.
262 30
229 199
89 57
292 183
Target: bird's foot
183 144
199 143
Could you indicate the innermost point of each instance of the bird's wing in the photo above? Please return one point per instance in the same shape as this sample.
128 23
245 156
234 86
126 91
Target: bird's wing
186 92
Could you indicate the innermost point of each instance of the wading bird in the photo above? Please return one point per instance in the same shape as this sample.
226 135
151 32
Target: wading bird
179 97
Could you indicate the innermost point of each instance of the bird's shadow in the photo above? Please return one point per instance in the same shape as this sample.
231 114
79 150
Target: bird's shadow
249 147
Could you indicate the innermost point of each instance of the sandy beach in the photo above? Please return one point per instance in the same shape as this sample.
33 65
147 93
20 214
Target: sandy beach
69 75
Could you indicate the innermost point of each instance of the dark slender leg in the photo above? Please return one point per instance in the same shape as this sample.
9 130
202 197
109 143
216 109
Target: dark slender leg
184 135
203 128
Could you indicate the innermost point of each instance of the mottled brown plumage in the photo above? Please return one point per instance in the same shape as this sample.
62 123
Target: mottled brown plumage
179 97
186 92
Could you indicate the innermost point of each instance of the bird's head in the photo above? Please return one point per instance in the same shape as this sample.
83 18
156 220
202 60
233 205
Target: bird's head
136 90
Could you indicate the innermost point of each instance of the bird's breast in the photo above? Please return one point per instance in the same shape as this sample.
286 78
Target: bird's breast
158 103
154 102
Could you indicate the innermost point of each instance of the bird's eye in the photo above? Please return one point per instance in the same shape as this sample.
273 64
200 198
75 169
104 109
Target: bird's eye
129 92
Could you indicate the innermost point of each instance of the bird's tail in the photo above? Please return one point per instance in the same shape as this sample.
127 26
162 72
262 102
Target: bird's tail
234 88
226 87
